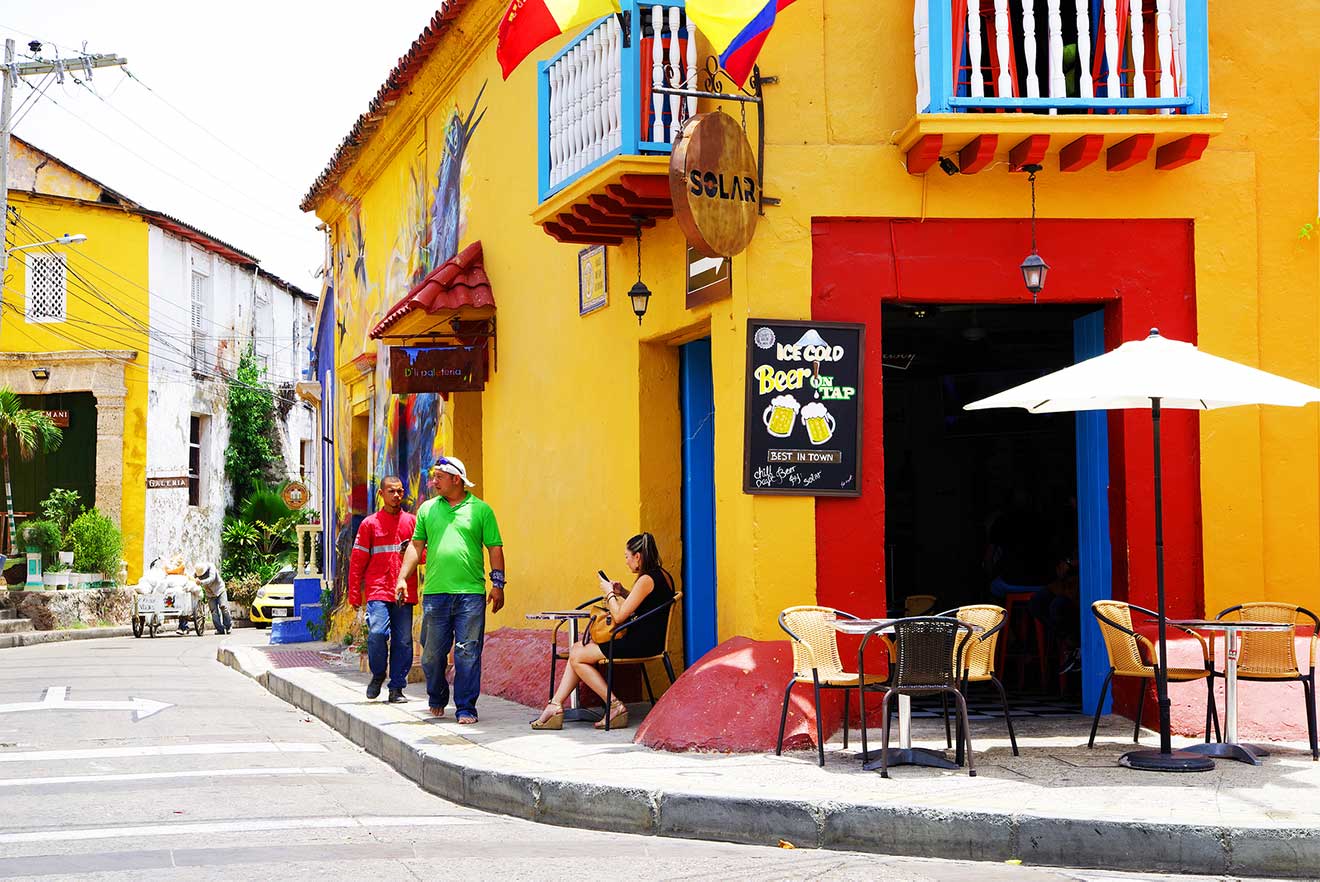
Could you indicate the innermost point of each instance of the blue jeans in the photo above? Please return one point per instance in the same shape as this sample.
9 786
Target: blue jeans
220 612
457 620
389 632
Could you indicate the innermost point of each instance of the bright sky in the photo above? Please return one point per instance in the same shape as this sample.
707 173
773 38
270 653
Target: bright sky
280 82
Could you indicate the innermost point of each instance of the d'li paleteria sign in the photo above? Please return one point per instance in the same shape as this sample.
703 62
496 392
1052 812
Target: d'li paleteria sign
804 404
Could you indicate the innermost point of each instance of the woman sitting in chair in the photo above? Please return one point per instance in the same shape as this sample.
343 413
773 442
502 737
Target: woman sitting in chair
652 588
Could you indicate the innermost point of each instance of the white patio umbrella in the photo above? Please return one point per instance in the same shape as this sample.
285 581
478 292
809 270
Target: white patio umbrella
1154 373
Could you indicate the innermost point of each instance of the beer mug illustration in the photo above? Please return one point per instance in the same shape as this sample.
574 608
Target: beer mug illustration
819 422
780 414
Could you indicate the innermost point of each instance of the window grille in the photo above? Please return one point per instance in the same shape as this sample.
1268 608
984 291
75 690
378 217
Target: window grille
198 319
47 288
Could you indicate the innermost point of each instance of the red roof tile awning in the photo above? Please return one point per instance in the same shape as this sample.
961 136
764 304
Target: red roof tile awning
459 282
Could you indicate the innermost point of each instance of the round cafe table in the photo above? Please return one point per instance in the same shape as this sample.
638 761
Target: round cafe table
1230 748
572 713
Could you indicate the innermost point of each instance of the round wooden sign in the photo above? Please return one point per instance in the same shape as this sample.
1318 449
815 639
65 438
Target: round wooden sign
295 495
713 182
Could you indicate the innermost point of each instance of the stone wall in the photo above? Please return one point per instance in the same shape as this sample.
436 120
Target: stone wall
58 610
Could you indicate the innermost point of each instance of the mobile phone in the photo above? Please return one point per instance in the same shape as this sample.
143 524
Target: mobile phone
602 575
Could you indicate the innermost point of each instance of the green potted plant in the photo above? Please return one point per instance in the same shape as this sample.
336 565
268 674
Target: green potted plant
97 544
56 575
42 538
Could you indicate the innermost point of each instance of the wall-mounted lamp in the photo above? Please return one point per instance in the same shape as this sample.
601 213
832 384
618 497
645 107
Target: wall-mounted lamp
41 373
639 294
1033 267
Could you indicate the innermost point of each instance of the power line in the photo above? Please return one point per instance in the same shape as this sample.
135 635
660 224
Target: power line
258 166
42 233
119 144
82 345
186 158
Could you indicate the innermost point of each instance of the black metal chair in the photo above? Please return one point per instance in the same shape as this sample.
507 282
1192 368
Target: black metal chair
668 608
928 659
980 653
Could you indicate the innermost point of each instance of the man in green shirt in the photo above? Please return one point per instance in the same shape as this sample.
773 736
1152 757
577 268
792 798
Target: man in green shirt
453 527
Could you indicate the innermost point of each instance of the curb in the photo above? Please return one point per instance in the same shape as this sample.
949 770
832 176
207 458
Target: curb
889 829
29 638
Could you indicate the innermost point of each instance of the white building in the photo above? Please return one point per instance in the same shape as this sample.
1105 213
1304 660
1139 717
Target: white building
211 301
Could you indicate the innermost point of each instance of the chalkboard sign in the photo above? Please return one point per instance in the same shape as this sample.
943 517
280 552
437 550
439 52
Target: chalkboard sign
804 405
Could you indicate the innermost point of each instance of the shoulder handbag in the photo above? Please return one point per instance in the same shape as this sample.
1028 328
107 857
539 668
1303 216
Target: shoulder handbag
600 626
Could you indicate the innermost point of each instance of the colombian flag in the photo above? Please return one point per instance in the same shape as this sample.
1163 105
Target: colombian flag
737 29
529 23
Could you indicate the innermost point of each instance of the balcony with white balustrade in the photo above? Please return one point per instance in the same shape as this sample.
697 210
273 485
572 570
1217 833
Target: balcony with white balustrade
605 134
1076 80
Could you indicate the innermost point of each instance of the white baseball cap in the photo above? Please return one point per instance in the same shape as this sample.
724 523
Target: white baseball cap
454 466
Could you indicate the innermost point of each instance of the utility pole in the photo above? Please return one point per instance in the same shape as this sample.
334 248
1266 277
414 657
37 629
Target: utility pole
9 78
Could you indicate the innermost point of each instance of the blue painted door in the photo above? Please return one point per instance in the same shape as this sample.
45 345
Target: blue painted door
697 403
1093 551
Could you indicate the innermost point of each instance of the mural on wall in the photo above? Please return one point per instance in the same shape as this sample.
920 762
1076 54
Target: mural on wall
430 223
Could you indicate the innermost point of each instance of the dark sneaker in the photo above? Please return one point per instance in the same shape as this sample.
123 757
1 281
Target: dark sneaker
373 688
397 696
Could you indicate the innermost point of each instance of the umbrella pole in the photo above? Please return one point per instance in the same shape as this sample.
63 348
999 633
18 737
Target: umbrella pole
1162 669
1166 759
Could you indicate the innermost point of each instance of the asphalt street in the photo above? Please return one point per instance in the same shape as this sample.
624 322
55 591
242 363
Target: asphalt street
140 759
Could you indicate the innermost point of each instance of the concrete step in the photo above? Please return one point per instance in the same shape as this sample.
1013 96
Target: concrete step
8 614
11 626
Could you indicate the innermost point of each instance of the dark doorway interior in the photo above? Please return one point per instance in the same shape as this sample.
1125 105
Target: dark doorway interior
71 467
957 482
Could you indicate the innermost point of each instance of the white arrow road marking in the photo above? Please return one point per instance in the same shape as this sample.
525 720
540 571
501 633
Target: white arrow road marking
697 267
222 747
246 826
55 699
257 771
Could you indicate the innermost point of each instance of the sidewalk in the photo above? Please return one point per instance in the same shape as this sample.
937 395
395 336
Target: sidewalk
1056 804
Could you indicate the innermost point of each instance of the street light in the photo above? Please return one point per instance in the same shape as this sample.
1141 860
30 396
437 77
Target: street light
66 239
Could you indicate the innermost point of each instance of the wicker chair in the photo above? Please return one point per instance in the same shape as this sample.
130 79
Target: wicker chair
1271 656
979 655
928 651
1125 646
918 605
816 661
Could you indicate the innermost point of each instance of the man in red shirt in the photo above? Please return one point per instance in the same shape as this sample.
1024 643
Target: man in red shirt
373 574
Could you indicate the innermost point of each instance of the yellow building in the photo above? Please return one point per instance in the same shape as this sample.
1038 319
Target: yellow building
71 335
894 196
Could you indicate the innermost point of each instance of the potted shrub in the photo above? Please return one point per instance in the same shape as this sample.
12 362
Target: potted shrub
97 544
42 538
242 591
56 576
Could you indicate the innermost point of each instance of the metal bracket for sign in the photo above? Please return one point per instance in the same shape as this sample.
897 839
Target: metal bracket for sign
457 334
712 82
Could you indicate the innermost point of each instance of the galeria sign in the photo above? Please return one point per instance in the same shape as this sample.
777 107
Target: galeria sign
713 182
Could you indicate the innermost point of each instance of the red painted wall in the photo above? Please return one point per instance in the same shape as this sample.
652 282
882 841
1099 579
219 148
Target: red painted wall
1142 271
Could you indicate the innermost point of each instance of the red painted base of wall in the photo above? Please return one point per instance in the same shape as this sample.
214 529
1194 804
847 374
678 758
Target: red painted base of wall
1266 711
729 701
515 666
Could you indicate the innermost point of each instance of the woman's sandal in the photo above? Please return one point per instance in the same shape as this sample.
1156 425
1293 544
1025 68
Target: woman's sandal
554 721
618 718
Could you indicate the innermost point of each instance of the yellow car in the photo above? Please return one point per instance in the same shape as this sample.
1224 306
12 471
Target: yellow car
274 600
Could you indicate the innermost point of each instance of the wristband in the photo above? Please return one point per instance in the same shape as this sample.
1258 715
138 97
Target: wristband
497 578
